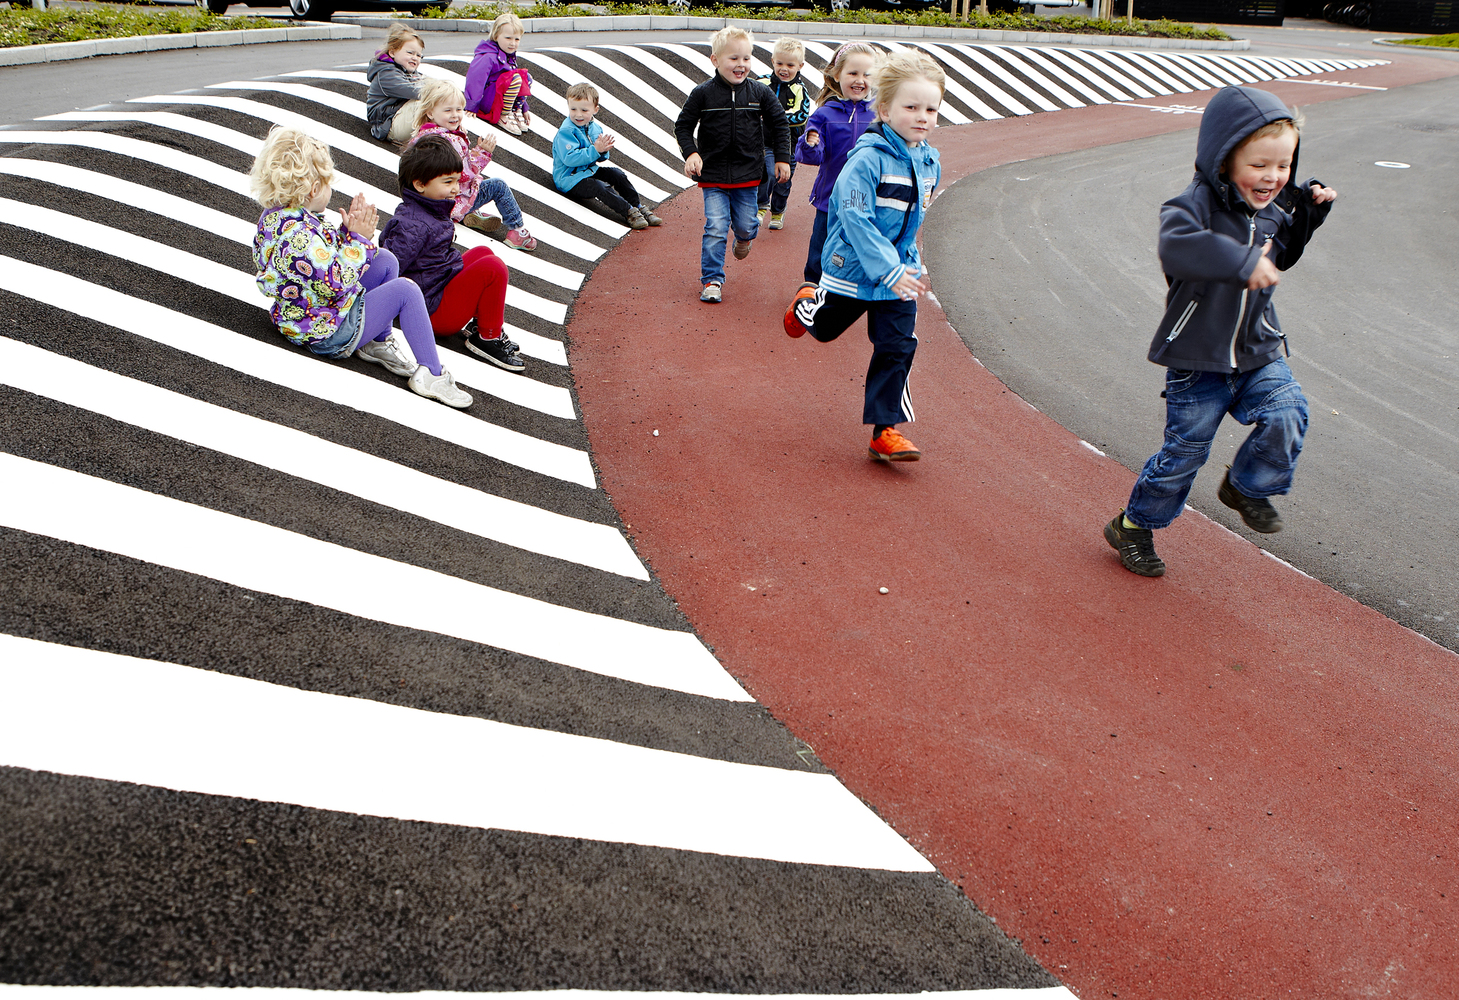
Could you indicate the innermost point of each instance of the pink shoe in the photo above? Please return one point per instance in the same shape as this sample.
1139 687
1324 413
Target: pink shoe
521 239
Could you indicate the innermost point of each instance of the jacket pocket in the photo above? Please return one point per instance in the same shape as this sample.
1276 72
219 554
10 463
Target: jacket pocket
1186 315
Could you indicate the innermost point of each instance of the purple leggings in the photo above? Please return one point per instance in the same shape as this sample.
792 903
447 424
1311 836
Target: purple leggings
387 295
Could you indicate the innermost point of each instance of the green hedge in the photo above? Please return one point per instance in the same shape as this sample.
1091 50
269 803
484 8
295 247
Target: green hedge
1440 41
930 18
24 26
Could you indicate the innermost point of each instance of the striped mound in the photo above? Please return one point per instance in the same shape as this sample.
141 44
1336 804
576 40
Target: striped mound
313 683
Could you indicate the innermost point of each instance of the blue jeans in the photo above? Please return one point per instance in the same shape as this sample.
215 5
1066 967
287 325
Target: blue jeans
1195 403
495 189
775 196
725 209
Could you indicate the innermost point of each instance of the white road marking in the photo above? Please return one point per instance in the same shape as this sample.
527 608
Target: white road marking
311 458
291 370
121 718
290 993
98 513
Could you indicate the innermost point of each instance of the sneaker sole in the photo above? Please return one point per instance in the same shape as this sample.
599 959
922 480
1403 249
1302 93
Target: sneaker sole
896 456
404 371
481 225
741 255
496 361
1114 543
793 326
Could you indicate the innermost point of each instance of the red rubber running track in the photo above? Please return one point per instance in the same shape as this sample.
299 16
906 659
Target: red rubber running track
1229 782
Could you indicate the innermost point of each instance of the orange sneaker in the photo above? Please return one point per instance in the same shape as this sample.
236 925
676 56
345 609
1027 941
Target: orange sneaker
890 446
794 324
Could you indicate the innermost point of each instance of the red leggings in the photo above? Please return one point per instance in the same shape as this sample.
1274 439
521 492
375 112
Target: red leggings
480 290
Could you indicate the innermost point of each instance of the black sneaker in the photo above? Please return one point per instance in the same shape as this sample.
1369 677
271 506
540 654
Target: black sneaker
1257 512
1136 547
500 352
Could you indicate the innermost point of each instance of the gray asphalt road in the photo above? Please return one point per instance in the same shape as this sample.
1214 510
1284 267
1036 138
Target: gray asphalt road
1048 270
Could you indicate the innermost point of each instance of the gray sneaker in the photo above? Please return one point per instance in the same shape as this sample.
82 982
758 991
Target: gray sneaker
742 248
636 219
388 353
500 352
710 294
442 388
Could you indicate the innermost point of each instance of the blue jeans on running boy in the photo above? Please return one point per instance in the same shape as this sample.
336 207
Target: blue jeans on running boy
1195 403
777 196
495 189
725 210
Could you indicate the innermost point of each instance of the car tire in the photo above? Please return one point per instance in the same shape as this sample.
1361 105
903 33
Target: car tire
216 6
835 6
311 10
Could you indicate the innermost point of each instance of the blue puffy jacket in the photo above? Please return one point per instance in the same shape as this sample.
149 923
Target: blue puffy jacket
877 207
1211 241
574 157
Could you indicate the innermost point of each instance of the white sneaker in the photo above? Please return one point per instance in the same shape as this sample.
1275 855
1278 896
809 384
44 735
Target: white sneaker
441 388
522 122
509 122
388 353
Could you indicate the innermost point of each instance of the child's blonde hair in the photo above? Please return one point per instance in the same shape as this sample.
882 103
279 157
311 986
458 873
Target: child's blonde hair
506 19
288 168
1279 127
897 69
837 64
789 46
720 40
582 92
398 35
432 93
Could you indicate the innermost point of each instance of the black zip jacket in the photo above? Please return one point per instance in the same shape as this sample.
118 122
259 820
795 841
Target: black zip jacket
1211 241
734 125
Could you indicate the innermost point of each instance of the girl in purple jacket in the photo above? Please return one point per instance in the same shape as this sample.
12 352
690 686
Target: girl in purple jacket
844 113
334 293
496 87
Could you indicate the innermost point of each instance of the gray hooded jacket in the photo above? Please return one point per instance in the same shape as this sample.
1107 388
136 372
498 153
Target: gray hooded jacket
1211 241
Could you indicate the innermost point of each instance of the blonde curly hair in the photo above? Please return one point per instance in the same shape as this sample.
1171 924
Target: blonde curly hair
897 69
432 93
289 168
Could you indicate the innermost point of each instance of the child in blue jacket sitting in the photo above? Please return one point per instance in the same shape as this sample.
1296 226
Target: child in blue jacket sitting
580 153
870 265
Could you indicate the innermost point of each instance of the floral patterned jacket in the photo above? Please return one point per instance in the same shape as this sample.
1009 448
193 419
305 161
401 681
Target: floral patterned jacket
473 164
311 270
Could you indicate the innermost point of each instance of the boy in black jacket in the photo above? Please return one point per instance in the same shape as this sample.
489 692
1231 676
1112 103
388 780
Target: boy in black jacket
1222 243
734 115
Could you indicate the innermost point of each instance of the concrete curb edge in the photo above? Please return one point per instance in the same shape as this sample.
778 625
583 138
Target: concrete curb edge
834 29
29 55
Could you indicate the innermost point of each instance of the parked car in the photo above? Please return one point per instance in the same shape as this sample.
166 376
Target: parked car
323 10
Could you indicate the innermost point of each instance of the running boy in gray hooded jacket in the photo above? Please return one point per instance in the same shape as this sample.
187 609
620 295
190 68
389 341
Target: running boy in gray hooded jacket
1223 242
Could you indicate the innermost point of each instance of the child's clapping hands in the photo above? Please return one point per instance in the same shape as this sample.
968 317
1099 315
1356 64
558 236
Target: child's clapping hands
487 143
360 217
604 142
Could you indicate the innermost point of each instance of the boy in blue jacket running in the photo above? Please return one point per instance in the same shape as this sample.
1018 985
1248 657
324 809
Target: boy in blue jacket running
580 169
1223 242
870 264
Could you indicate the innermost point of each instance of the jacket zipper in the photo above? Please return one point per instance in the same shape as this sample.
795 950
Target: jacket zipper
1190 308
1241 312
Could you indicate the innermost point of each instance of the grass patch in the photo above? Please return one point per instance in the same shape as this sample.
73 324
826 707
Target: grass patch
24 26
1438 41
927 18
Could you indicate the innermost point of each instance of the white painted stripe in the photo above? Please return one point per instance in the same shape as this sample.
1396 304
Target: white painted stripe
305 456
386 201
104 515
291 993
291 370
949 113
951 61
1154 70
1014 60
543 127
1184 71
1102 68
1042 59
978 54
617 109
1085 72
621 75
384 159
121 718
1111 60
1235 66
653 63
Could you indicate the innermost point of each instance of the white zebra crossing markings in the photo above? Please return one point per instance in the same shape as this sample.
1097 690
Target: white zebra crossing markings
289 993
305 456
98 513
119 718
308 375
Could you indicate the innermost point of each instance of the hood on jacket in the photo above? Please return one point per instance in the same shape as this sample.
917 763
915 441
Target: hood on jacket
439 207
1233 114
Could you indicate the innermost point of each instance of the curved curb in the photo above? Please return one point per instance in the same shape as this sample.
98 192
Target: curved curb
29 55
658 22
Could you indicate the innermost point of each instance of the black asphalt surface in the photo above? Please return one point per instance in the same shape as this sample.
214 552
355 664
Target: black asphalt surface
1047 269
109 883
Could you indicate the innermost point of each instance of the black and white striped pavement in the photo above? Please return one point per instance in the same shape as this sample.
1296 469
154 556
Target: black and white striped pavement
310 682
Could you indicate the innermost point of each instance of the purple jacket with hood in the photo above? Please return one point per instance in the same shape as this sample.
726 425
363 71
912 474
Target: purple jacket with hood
419 234
839 123
487 63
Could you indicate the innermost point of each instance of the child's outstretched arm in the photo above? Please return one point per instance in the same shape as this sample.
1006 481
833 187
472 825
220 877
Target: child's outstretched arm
808 149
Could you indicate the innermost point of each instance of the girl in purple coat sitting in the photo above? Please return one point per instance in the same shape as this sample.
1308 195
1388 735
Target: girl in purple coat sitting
844 113
496 87
334 293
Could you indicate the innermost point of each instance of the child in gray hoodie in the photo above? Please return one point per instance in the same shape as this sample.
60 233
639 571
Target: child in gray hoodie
1223 243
